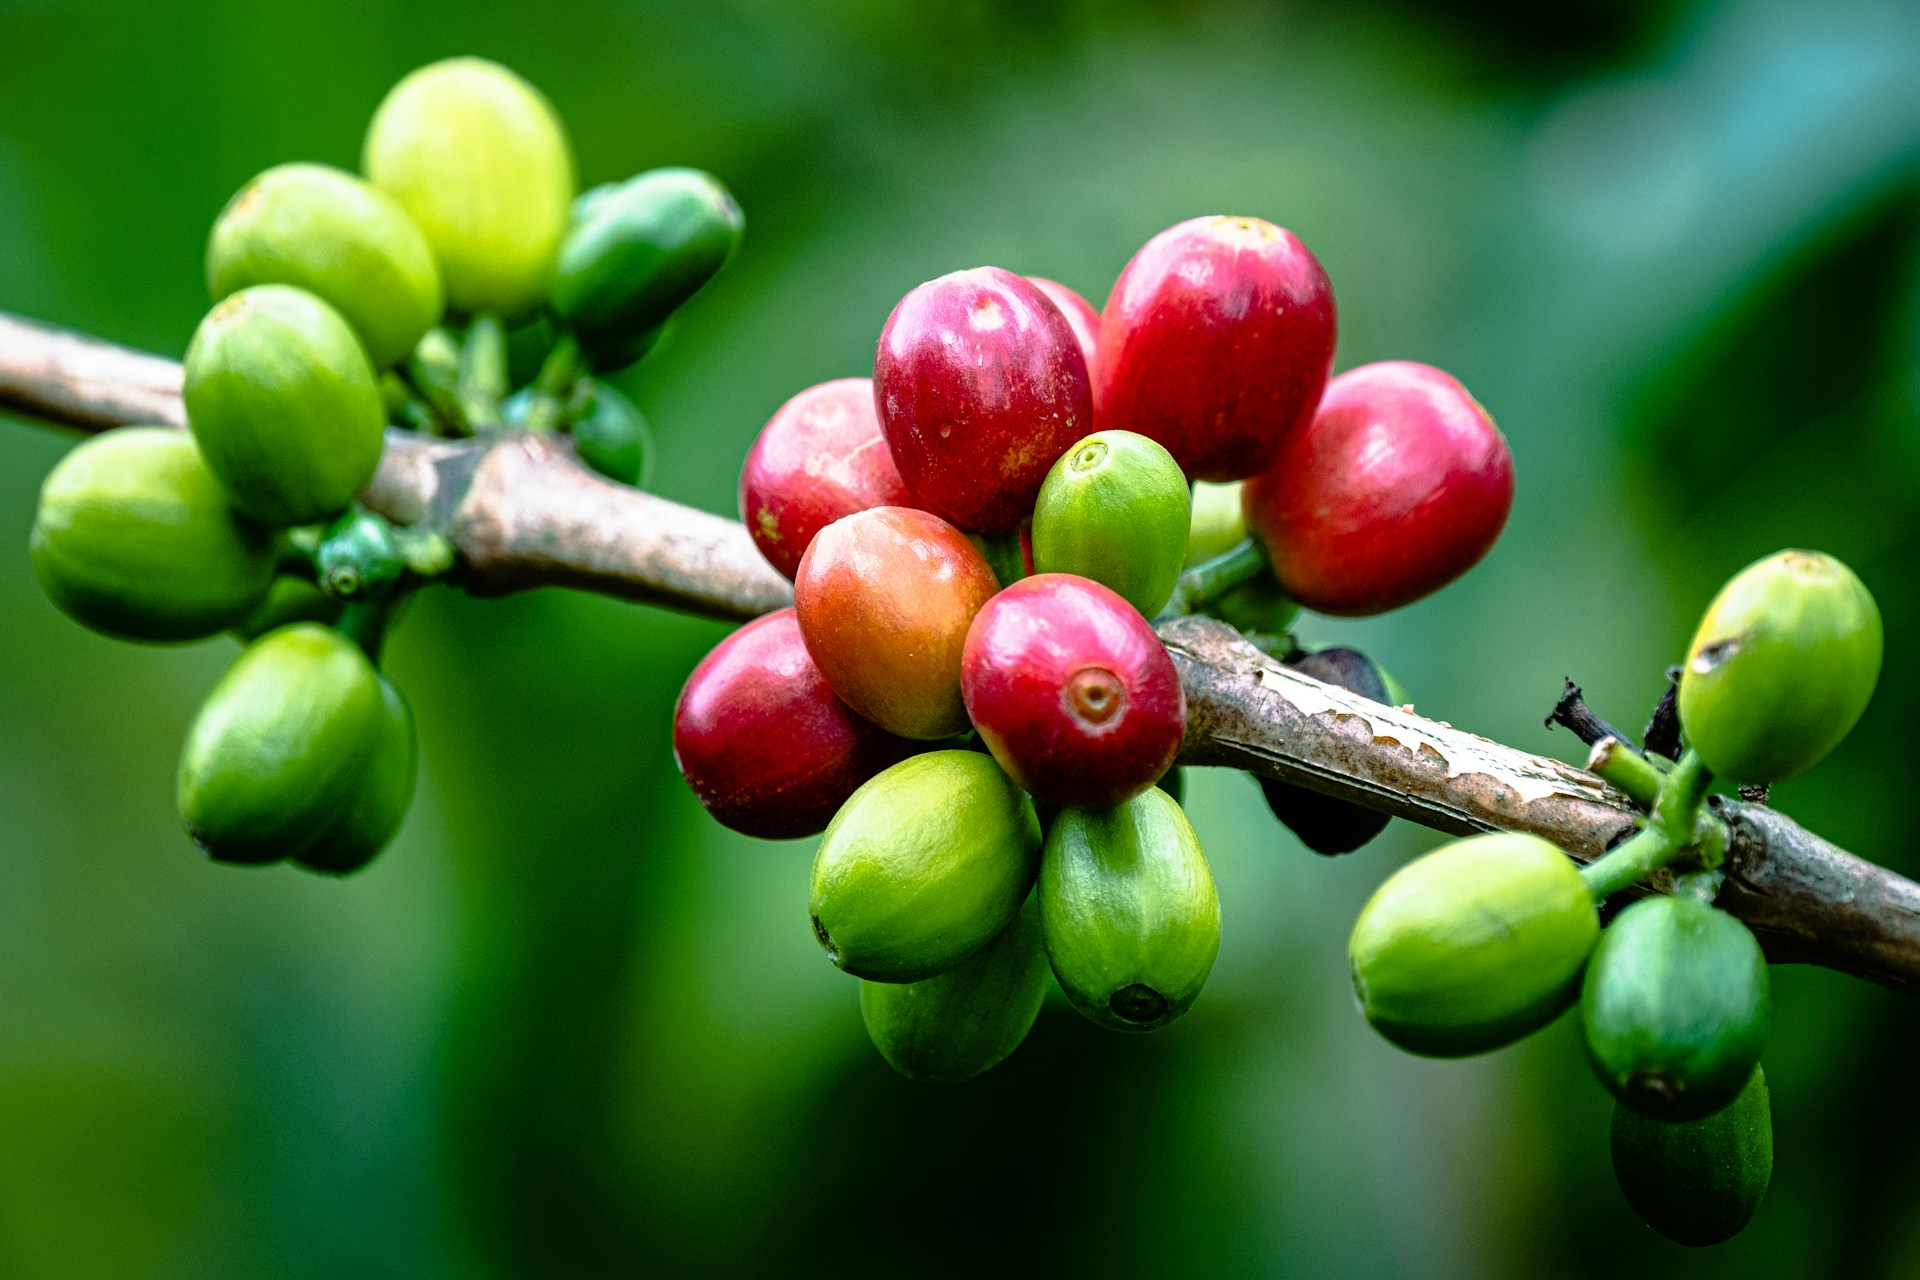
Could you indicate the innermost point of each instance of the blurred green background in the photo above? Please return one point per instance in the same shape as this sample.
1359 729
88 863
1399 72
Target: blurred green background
568 1027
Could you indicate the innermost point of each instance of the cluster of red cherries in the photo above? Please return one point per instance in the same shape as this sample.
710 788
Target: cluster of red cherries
903 508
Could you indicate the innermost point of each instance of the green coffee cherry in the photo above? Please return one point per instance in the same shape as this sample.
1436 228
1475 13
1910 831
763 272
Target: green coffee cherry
288 600
1130 914
1781 667
479 159
636 253
954 1026
283 404
1473 946
341 239
923 866
1217 525
302 751
1675 1008
134 537
1698 1182
1115 508
612 437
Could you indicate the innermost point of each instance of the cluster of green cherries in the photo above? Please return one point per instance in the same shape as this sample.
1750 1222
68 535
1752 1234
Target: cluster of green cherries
344 304
1489 938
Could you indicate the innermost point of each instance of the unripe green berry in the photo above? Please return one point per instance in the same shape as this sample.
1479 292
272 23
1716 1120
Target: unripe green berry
1474 945
135 538
283 404
1781 667
341 239
480 160
1115 508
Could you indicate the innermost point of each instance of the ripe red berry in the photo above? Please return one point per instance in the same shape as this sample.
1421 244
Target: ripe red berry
821 456
1072 691
884 598
1216 341
1400 484
765 743
980 385
1080 314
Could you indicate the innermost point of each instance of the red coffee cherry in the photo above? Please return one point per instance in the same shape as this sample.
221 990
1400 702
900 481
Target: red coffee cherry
1400 484
980 386
821 456
1216 341
884 598
1080 314
765 743
1072 691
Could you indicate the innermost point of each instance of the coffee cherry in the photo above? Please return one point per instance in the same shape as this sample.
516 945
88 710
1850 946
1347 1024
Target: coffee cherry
635 253
1473 946
962 1022
764 742
1399 485
1080 315
1216 341
134 538
1675 1008
1129 911
885 597
302 751
1115 509
612 437
283 404
1324 824
1697 1182
1781 667
980 385
479 159
341 239
923 866
1072 691
821 456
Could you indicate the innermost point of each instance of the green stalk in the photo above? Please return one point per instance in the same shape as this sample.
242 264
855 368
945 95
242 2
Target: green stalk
1675 825
1631 863
434 371
1626 770
483 371
365 623
1211 579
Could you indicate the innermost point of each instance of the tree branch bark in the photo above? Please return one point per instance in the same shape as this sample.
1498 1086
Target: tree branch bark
522 513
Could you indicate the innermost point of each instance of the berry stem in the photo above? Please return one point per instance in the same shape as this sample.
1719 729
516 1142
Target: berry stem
1627 770
1675 826
1211 579
483 371
365 623
434 371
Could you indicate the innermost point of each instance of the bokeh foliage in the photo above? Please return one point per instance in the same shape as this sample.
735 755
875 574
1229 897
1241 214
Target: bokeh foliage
569 1027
